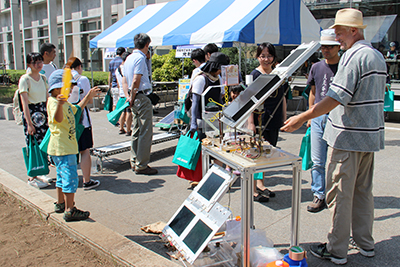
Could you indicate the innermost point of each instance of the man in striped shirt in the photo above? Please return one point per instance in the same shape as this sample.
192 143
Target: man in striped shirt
354 131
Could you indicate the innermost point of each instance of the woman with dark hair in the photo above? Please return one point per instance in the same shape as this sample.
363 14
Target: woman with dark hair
33 91
85 142
266 56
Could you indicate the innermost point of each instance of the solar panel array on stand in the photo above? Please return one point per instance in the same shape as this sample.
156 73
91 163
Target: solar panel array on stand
200 216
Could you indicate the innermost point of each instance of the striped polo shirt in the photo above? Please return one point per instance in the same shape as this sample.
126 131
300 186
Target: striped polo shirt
357 124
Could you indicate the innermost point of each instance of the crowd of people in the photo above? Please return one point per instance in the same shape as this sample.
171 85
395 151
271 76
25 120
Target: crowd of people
343 90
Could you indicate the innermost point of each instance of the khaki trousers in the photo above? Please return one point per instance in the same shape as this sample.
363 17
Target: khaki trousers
349 197
142 132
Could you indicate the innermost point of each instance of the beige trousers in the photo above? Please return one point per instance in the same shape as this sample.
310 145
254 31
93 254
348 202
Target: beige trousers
349 197
142 132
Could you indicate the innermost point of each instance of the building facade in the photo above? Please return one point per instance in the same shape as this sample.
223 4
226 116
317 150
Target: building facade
70 24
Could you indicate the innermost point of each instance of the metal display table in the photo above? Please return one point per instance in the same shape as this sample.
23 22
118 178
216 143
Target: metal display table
247 168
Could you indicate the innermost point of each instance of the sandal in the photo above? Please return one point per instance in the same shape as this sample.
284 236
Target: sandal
261 198
266 192
129 133
122 131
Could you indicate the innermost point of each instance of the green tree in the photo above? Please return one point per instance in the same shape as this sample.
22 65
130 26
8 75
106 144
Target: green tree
167 68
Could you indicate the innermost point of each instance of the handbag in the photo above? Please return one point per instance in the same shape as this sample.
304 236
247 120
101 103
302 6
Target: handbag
187 151
108 101
154 99
183 116
113 116
388 105
35 159
194 176
45 142
305 150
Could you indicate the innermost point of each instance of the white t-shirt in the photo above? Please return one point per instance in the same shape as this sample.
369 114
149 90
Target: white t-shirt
47 69
84 84
199 83
119 79
37 90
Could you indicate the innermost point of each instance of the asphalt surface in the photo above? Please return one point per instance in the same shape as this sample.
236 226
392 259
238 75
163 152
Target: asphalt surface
124 202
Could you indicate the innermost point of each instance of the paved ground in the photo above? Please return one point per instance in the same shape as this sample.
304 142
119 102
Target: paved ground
124 202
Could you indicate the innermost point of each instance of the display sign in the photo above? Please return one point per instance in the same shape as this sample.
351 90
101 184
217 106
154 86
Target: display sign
230 75
183 89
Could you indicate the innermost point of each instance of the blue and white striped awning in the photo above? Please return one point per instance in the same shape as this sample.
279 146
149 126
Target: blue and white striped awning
182 22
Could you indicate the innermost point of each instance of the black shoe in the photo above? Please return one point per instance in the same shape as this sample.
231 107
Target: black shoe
147 171
261 198
76 215
91 184
320 251
266 192
59 207
317 205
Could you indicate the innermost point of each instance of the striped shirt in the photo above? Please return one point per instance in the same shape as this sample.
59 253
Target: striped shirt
357 124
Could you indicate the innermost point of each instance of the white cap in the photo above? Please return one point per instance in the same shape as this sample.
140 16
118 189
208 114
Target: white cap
328 37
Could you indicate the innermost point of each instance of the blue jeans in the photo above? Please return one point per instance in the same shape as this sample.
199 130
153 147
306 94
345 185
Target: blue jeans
319 149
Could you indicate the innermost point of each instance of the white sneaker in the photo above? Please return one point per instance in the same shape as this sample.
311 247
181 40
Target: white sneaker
45 179
37 183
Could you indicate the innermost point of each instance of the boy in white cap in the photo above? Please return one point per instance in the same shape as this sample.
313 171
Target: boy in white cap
392 54
320 78
354 132
63 146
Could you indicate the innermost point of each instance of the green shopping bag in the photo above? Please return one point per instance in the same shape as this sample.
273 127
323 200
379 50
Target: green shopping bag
35 159
45 142
187 151
108 101
183 116
388 105
305 150
113 116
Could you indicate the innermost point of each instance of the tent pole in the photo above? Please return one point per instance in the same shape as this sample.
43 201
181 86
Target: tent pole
240 57
91 70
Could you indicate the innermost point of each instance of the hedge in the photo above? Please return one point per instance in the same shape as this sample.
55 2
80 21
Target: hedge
99 77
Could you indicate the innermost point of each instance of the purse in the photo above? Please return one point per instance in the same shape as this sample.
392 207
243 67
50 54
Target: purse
154 99
35 159
113 116
108 101
388 105
305 150
187 151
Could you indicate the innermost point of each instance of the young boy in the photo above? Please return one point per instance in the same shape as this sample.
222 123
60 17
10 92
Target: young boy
63 146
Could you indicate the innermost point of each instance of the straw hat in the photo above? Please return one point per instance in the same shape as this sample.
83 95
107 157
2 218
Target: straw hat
328 37
349 17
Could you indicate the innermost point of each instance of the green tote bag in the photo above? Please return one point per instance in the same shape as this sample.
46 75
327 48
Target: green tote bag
113 116
305 150
35 159
108 101
187 151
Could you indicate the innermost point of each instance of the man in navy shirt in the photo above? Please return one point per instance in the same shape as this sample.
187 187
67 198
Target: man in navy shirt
320 78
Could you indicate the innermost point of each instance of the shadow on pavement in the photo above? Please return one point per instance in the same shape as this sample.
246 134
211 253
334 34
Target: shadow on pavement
152 242
127 186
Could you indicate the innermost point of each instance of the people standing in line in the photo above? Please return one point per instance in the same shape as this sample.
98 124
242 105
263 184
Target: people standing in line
112 80
354 132
198 58
209 49
319 79
85 142
33 91
126 116
136 77
63 146
266 56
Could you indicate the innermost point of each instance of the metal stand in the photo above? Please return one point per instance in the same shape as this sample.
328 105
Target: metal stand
247 168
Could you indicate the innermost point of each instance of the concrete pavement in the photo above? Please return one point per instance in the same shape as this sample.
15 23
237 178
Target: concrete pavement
124 202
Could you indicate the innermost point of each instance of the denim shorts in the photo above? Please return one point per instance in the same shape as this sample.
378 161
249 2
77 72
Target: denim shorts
67 173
